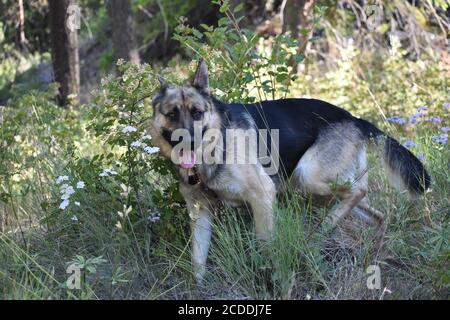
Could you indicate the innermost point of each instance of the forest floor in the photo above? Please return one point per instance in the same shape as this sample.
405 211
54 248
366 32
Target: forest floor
39 241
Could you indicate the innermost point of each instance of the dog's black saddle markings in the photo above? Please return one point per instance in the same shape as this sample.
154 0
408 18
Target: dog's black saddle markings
299 122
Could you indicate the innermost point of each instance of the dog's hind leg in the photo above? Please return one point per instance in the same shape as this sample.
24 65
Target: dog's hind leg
348 200
365 205
336 164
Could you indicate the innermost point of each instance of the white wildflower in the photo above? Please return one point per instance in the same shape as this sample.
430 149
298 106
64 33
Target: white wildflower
107 172
64 204
151 150
65 196
136 144
74 218
80 185
128 129
126 190
110 171
77 203
69 190
126 211
146 137
61 179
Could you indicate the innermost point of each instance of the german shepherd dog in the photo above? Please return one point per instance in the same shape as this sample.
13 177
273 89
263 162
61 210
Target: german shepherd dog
319 145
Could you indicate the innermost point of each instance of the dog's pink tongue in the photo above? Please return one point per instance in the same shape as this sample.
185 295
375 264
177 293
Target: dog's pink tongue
187 159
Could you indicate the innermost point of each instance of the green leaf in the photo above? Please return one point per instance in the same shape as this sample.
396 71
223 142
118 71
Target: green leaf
197 33
238 8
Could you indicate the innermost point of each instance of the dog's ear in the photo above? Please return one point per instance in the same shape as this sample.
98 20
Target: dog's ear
162 90
162 82
201 81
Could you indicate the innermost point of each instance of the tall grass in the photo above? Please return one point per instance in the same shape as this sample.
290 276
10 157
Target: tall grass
303 261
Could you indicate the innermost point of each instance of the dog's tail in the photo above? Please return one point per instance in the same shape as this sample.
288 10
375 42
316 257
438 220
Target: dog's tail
404 171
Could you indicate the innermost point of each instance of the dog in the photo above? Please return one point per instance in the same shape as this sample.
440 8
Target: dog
319 145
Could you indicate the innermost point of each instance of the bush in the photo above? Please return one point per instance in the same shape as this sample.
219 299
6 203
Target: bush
84 186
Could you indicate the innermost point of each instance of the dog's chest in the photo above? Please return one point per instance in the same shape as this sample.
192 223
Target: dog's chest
228 191
231 191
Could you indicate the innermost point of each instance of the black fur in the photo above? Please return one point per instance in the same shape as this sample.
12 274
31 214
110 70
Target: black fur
301 120
399 159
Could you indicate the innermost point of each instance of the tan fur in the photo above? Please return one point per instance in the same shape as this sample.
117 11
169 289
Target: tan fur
183 98
344 147
236 184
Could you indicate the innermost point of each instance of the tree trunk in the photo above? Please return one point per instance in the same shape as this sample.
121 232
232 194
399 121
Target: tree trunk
253 12
64 39
121 20
21 39
291 16
295 18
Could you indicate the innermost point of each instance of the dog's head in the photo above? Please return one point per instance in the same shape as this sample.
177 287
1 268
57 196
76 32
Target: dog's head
181 116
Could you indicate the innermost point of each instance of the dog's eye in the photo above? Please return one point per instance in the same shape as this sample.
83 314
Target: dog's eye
197 114
172 115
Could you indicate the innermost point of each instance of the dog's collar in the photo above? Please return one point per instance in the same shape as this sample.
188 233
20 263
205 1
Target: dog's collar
193 177
194 180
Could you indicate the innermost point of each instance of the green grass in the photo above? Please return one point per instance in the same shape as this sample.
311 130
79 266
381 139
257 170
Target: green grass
301 262
142 260
304 262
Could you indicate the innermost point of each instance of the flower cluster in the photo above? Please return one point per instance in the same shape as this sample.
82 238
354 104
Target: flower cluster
129 129
416 116
397 119
140 144
151 150
153 217
434 119
61 179
67 191
107 172
422 108
422 112
441 139
410 144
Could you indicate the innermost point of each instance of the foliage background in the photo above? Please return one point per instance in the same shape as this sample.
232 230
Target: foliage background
127 228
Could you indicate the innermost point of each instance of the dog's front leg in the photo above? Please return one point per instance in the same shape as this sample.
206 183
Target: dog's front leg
201 238
263 216
261 201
